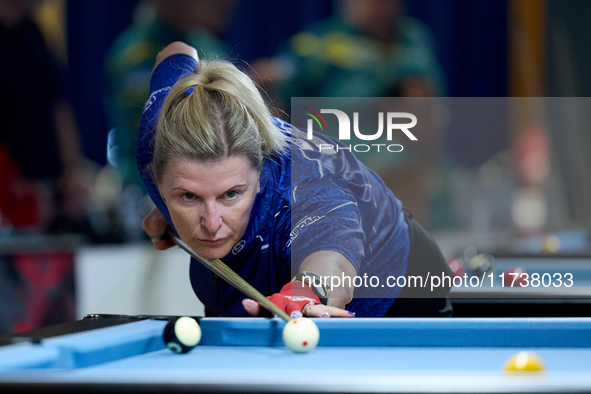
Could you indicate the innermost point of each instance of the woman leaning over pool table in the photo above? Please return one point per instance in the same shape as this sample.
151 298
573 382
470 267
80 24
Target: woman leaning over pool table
240 185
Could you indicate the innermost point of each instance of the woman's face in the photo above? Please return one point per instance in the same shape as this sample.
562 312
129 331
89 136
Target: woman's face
210 203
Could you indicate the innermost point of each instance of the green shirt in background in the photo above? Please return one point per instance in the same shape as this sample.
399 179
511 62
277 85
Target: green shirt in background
334 59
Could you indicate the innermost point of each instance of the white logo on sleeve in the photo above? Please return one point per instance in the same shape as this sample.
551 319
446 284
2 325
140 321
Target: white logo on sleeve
152 99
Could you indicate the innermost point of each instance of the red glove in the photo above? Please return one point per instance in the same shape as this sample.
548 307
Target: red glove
294 296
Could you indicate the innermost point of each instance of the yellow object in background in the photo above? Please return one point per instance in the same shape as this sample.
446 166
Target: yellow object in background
51 19
551 244
526 362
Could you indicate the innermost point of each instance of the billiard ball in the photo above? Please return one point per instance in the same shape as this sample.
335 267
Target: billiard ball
515 277
551 244
301 335
524 362
181 334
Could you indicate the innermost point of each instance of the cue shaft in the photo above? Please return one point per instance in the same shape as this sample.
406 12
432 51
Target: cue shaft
219 268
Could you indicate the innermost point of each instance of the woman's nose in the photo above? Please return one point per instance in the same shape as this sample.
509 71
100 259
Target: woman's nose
212 219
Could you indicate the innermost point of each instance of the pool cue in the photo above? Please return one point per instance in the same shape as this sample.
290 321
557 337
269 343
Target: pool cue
219 268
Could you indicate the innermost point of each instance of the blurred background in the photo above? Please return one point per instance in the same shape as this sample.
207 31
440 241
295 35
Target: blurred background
75 75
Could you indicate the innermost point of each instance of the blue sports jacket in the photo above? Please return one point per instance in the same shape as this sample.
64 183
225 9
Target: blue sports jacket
309 201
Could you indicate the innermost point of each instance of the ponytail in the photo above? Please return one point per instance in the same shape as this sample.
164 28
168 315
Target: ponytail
214 113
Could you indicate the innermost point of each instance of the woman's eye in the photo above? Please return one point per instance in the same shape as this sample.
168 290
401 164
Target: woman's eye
231 194
189 196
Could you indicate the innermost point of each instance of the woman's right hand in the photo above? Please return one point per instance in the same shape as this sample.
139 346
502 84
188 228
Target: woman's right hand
155 225
177 47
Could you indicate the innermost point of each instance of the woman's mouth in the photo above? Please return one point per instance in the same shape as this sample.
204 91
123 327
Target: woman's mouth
212 241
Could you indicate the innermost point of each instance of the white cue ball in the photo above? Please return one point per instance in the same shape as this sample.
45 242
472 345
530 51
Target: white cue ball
301 335
187 331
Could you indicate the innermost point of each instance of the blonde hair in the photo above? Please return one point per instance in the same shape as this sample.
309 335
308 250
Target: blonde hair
223 116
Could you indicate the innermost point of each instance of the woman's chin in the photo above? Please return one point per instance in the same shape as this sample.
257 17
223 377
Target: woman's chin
210 253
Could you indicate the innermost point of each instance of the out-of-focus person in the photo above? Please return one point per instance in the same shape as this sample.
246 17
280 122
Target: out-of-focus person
42 187
131 59
370 48
40 155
